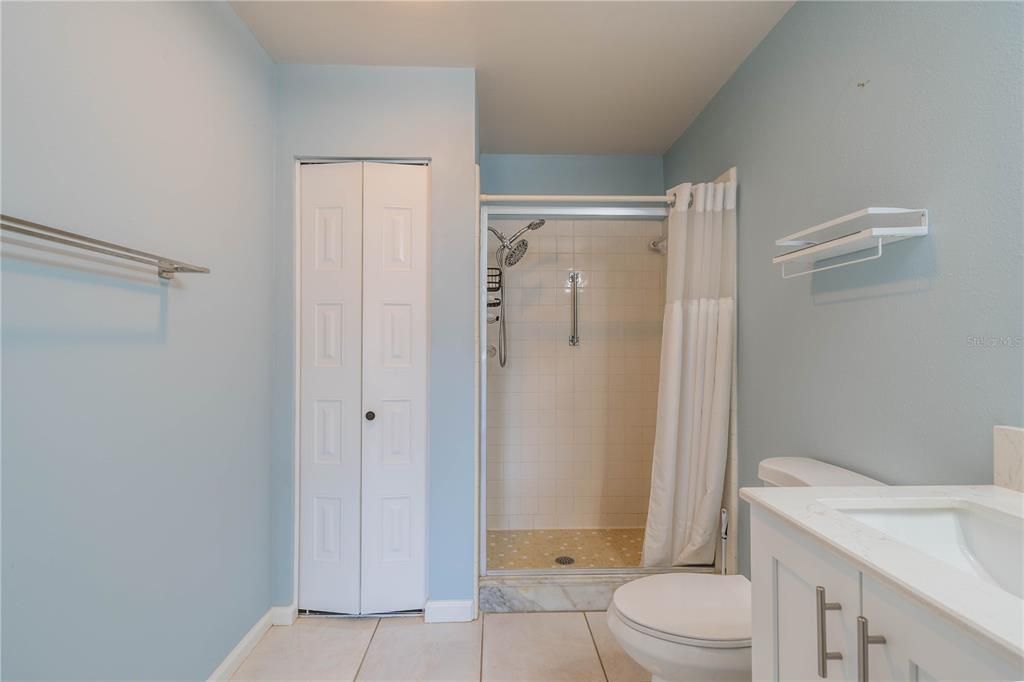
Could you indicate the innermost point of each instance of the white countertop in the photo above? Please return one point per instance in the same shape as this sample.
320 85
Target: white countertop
992 613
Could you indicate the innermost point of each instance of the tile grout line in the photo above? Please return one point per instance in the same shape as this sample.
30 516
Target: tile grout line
483 620
369 643
593 641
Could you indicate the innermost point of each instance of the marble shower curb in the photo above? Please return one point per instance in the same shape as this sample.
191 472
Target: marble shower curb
526 593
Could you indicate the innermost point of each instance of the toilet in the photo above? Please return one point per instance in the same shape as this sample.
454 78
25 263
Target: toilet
696 626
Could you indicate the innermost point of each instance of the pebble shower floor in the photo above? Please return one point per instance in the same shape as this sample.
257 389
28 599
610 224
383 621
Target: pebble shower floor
588 547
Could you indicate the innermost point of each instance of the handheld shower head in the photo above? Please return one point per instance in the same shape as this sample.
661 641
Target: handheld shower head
508 253
535 225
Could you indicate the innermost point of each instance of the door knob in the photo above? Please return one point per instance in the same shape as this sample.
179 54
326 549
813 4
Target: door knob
370 416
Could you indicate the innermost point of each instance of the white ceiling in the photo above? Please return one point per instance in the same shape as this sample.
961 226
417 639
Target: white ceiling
552 77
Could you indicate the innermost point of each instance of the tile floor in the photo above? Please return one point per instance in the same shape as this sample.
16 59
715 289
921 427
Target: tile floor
501 646
590 547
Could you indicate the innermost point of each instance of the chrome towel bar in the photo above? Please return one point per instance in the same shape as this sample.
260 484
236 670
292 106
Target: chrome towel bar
165 267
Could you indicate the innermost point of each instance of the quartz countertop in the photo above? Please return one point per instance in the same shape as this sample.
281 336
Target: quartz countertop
990 612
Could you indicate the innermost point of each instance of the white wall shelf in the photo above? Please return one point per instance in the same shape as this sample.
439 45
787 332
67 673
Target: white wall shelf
866 230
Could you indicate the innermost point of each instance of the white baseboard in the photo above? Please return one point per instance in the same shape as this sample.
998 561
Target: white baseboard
234 659
283 615
450 611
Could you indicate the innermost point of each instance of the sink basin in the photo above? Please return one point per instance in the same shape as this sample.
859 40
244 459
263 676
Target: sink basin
975 539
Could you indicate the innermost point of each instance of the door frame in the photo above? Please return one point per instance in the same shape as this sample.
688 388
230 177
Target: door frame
297 360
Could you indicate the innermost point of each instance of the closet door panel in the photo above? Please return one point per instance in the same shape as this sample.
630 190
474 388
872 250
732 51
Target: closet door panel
330 369
395 337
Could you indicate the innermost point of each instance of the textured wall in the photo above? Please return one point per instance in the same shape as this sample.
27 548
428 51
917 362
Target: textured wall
136 438
895 368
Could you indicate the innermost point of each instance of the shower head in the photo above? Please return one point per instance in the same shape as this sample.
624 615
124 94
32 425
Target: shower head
517 251
508 253
536 224
512 249
507 242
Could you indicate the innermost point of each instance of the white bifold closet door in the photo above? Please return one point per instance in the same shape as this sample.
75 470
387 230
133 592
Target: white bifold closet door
363 367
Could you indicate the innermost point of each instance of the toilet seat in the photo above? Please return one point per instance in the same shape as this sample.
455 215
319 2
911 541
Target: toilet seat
695 609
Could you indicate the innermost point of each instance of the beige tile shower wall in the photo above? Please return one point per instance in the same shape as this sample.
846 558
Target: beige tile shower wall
570 430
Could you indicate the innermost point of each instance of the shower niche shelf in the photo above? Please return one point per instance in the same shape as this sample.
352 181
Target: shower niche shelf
863 233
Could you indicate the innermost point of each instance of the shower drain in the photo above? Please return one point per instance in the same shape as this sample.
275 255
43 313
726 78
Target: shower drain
564 560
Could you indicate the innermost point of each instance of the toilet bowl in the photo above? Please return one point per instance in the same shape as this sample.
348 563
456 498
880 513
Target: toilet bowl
685 626
697 626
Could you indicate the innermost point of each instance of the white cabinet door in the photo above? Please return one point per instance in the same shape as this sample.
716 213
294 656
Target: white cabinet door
920 645
395 285
786 570
330 376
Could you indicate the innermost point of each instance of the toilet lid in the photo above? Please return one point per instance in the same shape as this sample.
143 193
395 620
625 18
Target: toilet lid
689 606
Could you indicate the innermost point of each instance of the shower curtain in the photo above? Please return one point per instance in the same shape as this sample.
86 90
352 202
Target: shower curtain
696 385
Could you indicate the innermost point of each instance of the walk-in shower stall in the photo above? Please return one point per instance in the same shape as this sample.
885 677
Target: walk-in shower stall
571 318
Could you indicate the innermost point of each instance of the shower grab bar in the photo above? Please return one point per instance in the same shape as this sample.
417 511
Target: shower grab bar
574 282
166 267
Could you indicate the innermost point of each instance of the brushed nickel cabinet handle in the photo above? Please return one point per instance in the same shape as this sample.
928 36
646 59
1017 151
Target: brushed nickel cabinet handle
824 655
863 641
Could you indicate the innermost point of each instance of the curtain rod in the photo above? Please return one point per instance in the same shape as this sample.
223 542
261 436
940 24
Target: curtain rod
581 198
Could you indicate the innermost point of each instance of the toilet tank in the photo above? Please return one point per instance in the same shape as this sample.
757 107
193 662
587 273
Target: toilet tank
803 471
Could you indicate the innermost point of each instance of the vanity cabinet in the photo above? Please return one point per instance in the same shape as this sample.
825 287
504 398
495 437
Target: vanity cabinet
921 646
814 612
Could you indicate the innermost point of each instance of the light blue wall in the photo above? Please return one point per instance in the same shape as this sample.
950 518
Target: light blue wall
871 366
570 174
380 112
135 414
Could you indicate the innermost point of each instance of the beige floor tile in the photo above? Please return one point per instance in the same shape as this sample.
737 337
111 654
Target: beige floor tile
409 649
312 649
539 646
618 666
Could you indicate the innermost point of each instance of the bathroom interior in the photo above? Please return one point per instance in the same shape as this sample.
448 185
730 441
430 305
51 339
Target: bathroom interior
615 341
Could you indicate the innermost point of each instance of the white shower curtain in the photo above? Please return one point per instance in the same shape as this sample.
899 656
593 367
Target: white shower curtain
692 438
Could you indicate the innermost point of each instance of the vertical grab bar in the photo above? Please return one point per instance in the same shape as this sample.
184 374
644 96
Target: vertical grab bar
574 282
